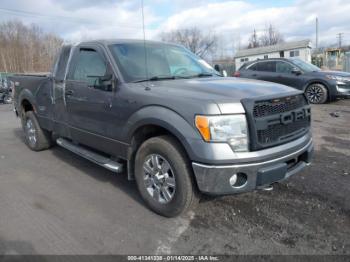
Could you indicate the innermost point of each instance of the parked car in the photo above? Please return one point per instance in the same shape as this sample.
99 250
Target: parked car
319 86
5 92
170 122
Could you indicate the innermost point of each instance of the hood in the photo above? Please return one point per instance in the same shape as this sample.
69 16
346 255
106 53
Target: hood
334 73
225 92
220 89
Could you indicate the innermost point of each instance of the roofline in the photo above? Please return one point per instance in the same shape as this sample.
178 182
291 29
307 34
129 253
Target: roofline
116 41
273 52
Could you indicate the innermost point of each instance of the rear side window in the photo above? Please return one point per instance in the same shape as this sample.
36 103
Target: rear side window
253 67
269 66
90 66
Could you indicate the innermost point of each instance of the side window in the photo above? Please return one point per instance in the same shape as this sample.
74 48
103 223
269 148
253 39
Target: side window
269 66
253 67
283 67
90 66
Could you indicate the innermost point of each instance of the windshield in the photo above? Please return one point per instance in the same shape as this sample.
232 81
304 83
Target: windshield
163 61
304 66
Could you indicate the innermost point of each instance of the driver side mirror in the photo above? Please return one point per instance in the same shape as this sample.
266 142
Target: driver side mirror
104 83
296 71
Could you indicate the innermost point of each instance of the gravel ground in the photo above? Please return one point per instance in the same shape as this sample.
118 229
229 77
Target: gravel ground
54 202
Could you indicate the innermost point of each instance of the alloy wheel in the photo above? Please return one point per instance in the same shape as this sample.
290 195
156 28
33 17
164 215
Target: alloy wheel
30 132
315 94
159 178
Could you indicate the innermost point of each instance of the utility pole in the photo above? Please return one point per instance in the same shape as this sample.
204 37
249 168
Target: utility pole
316 32
340 38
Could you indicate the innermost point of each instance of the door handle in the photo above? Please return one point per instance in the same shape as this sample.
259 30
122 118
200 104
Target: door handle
69 93
254 74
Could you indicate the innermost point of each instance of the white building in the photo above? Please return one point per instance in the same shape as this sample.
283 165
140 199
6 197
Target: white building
300 49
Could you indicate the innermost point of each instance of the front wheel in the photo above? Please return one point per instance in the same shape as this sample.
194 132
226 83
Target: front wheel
164 176
316 93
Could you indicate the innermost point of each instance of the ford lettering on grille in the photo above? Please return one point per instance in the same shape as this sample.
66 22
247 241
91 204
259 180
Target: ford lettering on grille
277 121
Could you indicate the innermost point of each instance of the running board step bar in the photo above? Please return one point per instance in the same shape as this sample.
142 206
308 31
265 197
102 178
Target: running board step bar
90 155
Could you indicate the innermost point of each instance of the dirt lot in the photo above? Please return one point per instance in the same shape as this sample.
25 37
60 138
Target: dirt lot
54 202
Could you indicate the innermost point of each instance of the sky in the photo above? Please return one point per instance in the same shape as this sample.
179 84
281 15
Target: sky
231 21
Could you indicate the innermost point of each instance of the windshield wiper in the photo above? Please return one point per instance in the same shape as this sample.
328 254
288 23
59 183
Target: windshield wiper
155 78
203 75
159 78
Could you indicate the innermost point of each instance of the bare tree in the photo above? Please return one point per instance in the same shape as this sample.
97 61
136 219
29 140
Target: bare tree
26 48
253 40
194 39
271 36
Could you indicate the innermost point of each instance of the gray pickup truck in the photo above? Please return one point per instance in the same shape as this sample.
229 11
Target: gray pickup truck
167 119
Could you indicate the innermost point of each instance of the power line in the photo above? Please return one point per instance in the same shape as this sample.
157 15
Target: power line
340 38
61 19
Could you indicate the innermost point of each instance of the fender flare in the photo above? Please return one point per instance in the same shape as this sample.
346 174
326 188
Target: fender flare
165 118
26 95
312 81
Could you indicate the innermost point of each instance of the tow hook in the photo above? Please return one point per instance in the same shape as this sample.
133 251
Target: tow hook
267 188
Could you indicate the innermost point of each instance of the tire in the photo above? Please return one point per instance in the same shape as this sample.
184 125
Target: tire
174 190
316 93
36 138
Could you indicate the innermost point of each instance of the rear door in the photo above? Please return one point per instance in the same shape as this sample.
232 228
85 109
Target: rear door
266 70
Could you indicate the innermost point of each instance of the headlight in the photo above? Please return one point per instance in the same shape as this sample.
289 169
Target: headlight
338 78
231 129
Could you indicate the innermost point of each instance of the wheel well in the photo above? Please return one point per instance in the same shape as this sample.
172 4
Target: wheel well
142 134
26 105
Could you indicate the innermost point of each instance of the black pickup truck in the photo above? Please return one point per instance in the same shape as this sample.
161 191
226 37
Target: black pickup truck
167 119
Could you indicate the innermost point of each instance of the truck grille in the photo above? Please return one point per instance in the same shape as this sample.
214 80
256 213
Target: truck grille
277 121
280 132
276 106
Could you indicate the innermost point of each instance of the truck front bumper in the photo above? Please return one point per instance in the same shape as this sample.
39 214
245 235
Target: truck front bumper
219 179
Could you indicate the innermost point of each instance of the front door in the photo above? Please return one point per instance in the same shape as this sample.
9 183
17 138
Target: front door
286 77
89 97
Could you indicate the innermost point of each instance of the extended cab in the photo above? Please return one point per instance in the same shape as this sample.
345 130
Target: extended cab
163 116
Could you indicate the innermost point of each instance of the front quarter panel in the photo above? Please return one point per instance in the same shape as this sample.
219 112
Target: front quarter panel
165 118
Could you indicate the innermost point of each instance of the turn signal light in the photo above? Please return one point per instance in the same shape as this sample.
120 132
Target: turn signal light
202 124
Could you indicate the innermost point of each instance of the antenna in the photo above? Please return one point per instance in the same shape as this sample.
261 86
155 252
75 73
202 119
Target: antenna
144 39
316 32
340 37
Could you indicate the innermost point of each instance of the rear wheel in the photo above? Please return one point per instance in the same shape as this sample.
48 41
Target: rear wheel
36 138
316 93
164 176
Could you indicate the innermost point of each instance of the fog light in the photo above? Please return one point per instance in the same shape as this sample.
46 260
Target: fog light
233 180
238 180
